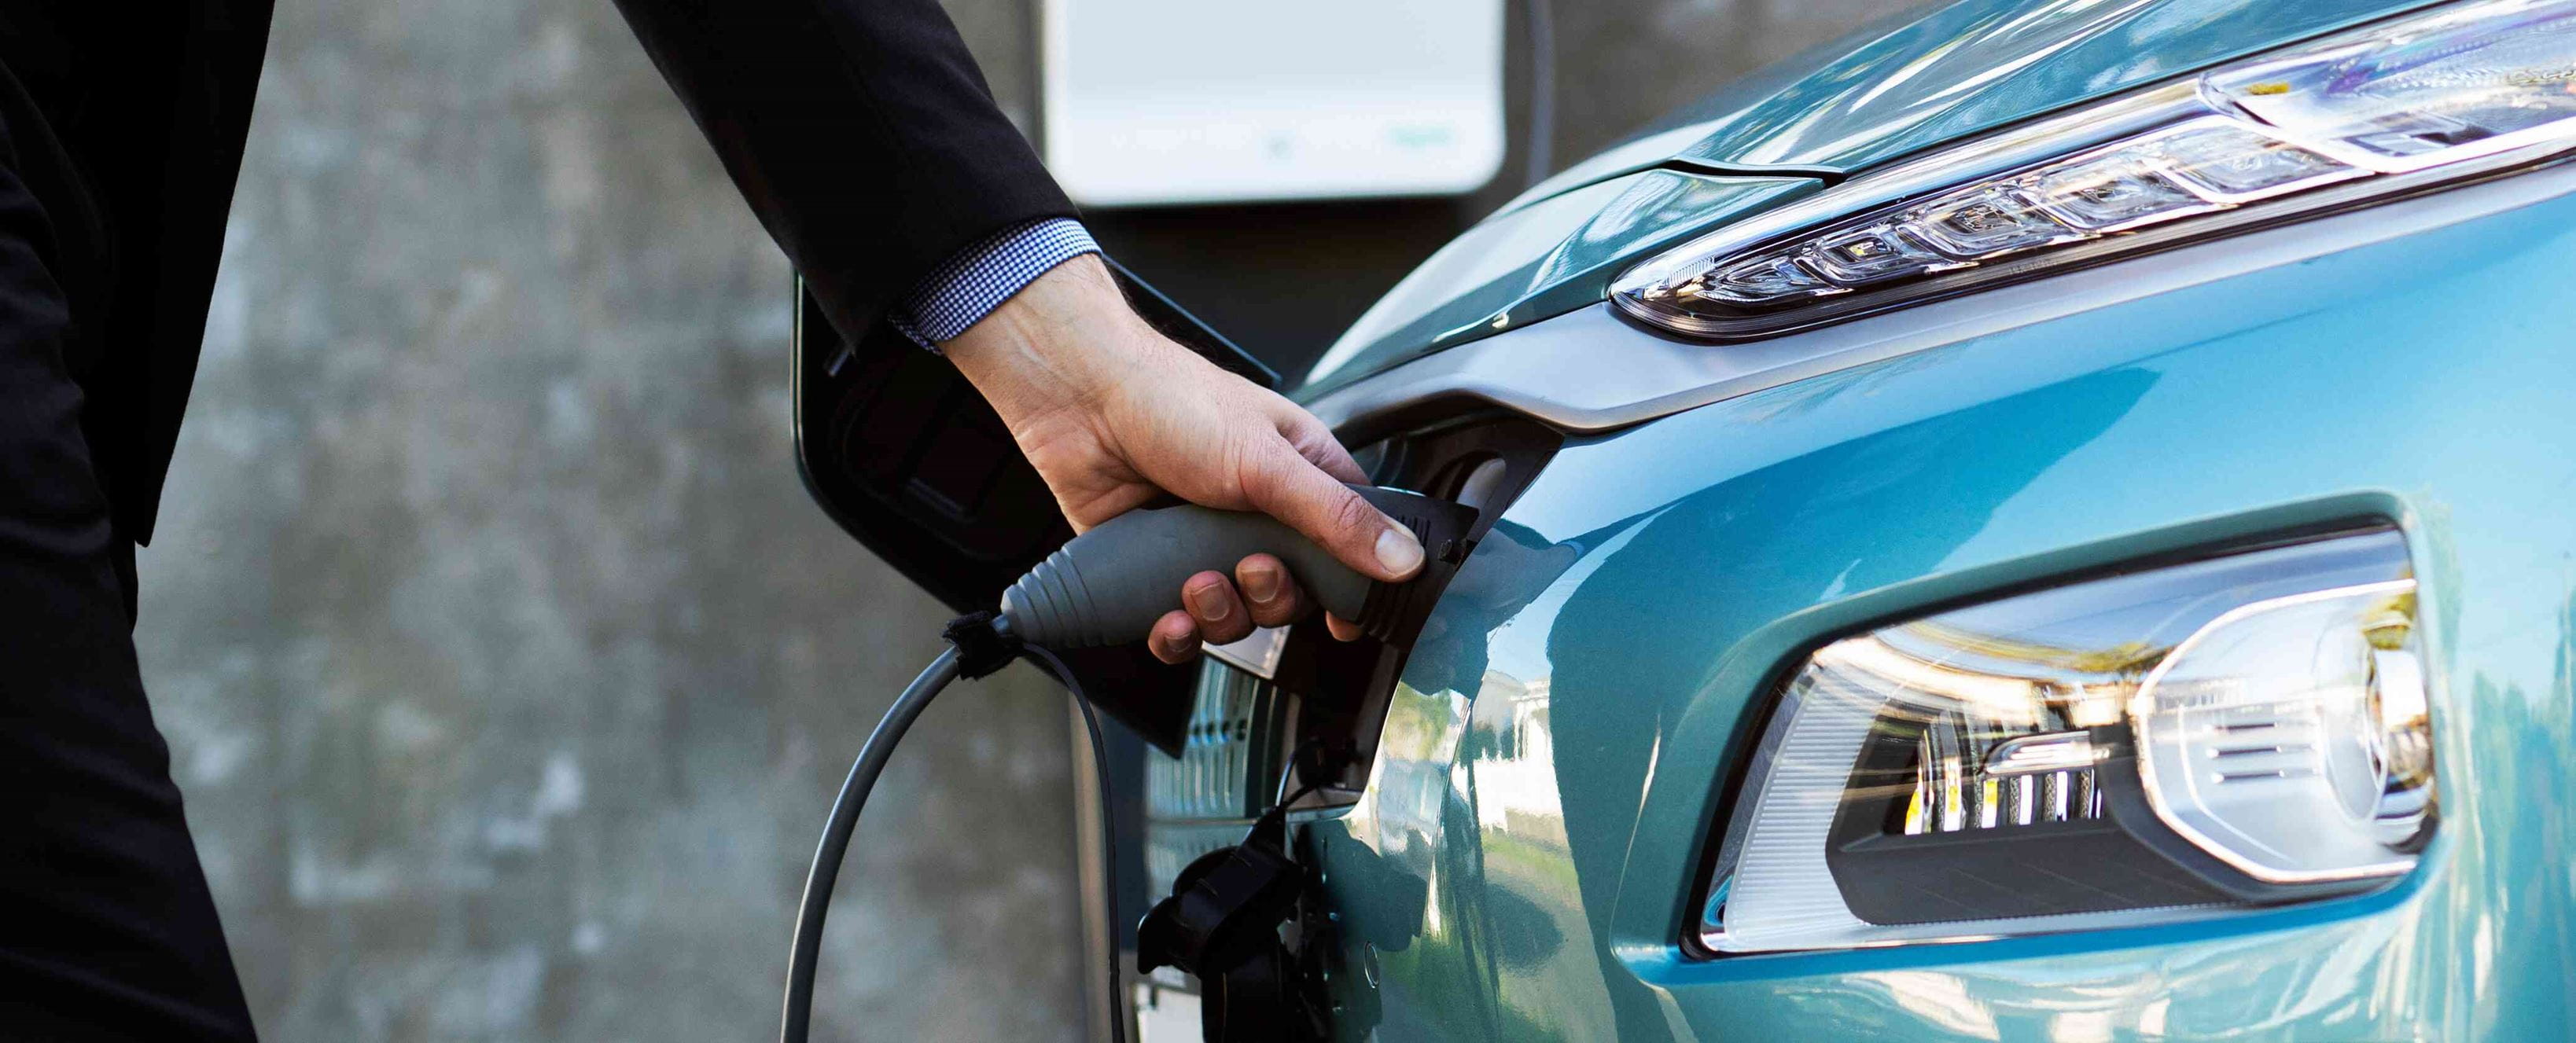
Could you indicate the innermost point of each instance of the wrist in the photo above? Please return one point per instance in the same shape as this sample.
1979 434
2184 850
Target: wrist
1062 341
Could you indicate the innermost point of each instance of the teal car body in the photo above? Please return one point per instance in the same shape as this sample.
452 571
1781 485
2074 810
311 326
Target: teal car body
1580 722
1529 857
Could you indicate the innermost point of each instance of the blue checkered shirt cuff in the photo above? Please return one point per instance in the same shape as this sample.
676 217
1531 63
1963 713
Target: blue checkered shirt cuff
968 286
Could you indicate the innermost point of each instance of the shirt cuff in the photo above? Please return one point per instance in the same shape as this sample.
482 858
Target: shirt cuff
969 285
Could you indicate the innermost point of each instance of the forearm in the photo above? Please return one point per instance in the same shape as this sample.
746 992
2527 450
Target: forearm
864 138
860 131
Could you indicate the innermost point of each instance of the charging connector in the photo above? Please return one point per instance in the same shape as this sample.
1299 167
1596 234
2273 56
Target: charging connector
1109 586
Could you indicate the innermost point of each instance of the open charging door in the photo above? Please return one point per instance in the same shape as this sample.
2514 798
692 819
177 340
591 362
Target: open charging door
904 455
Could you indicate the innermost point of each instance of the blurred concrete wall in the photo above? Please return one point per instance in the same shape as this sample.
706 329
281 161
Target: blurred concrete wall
507 667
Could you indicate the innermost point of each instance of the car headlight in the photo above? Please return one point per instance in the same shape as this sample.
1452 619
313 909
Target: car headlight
2383 111
2173 743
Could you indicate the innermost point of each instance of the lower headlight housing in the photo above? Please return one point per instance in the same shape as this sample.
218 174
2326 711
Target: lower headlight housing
2171 743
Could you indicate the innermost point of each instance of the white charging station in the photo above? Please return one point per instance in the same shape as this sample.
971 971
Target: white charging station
1201 101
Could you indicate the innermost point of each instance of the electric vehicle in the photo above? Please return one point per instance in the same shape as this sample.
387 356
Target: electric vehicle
2041 521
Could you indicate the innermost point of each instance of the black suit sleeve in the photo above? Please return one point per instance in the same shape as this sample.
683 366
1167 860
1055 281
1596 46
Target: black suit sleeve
860 131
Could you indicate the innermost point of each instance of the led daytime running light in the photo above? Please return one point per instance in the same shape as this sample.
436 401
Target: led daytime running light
2439 89
2212 163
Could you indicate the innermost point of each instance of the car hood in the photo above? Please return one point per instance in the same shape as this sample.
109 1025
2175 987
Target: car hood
1897 88
1540 260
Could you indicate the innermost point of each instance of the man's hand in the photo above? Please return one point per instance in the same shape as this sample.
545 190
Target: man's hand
1114 414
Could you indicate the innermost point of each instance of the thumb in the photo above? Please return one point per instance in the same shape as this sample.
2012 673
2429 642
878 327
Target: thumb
1287 486
1312 440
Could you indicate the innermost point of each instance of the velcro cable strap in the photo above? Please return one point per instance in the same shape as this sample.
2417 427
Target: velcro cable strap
982 646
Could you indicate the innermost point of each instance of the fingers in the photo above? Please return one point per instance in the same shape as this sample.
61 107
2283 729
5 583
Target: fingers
1284 603
1212 604
1292 489
1175 638
1214 616
1218 611
1269 591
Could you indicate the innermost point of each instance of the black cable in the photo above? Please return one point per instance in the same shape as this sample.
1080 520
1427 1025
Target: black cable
836 838
1108 827
1301 793
1296 769
797 1016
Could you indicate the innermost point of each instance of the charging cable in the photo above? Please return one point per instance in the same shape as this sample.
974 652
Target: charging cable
817 902
1103 587
979 644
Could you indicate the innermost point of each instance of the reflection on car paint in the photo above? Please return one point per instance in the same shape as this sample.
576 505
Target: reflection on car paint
1532 844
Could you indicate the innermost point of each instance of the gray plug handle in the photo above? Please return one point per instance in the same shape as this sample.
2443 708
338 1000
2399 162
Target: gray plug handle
1109 585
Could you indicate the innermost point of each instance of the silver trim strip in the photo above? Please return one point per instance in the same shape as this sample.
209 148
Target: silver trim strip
1589 371
2038 754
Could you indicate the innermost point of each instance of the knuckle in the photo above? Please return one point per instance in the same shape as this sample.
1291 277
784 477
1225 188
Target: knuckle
1303 431
1255 462
1352 515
